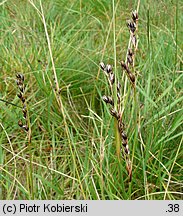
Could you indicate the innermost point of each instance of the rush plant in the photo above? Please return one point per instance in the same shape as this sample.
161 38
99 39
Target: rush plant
25 124
115 100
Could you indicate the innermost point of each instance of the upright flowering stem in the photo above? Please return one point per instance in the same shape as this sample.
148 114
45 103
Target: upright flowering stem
26 126
114 100
116 131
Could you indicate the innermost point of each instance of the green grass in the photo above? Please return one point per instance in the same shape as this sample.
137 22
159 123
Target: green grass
73 151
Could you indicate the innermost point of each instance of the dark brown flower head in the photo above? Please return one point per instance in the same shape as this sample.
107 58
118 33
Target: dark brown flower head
114 113
20 76
127 151
108 99
20 95
130 57
22 98
21 88
25 127
102 65
108 68
131 25
130 52
132 77
112 78
134 40
121 125
118 96
129 60
24 110
20 123
124 136
25 115
135 16
123 65
118 86
19 82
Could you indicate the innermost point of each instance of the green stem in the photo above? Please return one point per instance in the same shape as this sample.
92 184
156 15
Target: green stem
31 176
117 139
117 135
30 179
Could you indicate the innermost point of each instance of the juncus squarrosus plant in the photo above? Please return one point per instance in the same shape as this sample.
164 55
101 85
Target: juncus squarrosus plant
26 126
115 88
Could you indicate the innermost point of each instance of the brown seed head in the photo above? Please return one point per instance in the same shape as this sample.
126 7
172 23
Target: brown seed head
20 123
124 136
119 96
123 65
23 99
114 113
129 60
102 65
118 86
130 52
112 78
132 77
108 99
108 68
25 127
19 82
20 95
20 76
21 88
135 16
134 40
131 25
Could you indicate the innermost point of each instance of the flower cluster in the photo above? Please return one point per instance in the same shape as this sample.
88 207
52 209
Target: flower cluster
109 100
132 26
114 100
21 95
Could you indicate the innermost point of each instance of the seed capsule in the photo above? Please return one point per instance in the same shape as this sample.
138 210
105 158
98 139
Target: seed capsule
123 65
20 76
25 127
25 115
21 88
114 113
19 82
24 110
112 78
108 99
134 16
129 60
130 52
23 99
20 123
102 65
124 136
126 148
118 86
108 68
131 25
127 151
132 77
134 40
20 95
130 57
130 74
119 96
